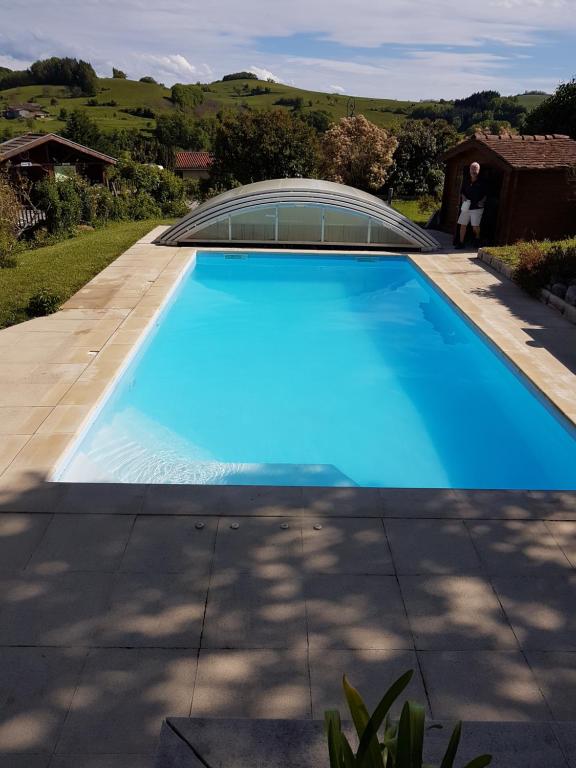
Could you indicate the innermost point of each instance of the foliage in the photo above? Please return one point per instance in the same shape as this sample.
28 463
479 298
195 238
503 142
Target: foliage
318 119
177 129
556 114
42 303
240 76
540 265
358 153
479 107
65 267
61 202
150 190
117 74
9 212
417 168
253 146
71 72
403 743
186 97
148 79
296 102
81 128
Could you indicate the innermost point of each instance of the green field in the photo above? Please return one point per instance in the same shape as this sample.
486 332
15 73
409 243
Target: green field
65 267
130 93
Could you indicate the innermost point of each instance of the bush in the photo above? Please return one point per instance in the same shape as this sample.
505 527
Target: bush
42 303
163 192
543 264
402 744
9 213
61 201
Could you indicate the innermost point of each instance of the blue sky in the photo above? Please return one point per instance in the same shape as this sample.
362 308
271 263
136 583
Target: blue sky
413 49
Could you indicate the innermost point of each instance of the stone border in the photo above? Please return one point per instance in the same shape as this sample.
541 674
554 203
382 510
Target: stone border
73 357
546 297
237 743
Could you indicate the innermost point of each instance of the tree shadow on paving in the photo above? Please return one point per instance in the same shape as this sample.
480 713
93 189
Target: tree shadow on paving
109 623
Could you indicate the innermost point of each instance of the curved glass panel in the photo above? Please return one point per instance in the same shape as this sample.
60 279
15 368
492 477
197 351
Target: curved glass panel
256 225
380 233
300 224
343 227
216 230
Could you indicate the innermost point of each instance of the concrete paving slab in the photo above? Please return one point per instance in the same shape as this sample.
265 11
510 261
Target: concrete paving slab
356 611
36 688
22 420
370 672
517 547
540 610
245 611
349 502
164 610
20 534
184 500
564 533
346 545
252 683
57 610
419 502
555 672
431 546
263 546
170 545
102 761
82 543
566 735
100 498
481 685
24 761
455 613
10 446
122 697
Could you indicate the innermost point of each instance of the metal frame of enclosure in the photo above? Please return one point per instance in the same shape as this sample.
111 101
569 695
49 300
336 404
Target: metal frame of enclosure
306 212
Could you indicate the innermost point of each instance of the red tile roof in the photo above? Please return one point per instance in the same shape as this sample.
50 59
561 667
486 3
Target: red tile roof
193 161
550 151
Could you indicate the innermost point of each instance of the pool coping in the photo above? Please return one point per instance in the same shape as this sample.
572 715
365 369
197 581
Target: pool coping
47 401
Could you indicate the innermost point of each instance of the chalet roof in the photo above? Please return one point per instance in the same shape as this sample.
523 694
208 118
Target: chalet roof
530 151
19 144
193 161
30 106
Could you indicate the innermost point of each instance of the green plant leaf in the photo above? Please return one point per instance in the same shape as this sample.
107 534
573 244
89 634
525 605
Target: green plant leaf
479 762
381 712
452 748
333 729
410 736
361 718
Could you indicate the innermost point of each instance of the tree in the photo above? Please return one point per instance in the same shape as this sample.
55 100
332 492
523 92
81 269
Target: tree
82 129
240 76
186 97
71 72
417 166
253 146
358 153
556 114
319 119
148 79
176 129
117 74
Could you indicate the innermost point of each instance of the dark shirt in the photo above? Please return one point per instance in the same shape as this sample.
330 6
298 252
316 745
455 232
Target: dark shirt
474 191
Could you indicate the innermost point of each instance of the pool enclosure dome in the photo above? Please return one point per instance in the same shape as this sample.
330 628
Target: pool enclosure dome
307 212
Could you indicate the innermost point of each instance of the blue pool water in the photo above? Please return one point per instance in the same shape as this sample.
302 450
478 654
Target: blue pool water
297 370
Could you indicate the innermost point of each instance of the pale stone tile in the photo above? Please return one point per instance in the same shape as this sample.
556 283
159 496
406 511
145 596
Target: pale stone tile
41 452
64 419
260 683
10 445
122 698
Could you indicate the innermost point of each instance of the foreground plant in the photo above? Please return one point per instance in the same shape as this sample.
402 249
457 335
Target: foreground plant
403 743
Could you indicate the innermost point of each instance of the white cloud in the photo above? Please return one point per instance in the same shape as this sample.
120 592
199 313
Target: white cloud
337 89
213 39
263 74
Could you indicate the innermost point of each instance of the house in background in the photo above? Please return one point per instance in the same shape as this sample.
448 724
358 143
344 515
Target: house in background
531 182
36 156
193 165
22 111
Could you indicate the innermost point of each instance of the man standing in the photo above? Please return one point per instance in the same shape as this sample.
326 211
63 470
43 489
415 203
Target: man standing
472 198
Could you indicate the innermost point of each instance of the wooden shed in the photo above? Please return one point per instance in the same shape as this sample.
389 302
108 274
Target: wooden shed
531 184
36 155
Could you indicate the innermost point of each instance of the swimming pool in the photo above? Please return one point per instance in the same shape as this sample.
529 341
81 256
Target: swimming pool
295 369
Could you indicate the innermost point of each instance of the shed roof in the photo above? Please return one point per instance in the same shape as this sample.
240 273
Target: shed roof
193 161
530 151
29 105
14 147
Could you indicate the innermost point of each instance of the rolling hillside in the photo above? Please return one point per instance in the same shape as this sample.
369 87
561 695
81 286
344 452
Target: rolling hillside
114 96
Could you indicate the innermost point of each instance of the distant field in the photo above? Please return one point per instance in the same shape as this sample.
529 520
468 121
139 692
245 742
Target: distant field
130 94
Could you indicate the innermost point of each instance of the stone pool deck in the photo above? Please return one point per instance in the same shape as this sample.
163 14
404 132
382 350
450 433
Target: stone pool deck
121 605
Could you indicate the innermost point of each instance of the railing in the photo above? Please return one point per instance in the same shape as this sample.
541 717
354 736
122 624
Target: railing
29 217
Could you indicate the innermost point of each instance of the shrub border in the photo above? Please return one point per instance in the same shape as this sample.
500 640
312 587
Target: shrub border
545 296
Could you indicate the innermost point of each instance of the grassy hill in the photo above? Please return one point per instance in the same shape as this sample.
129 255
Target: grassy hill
115 95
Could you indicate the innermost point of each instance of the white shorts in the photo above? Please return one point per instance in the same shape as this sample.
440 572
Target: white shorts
471 217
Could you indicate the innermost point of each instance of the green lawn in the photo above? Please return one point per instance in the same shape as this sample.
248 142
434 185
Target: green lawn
410 209
510 254
65 267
